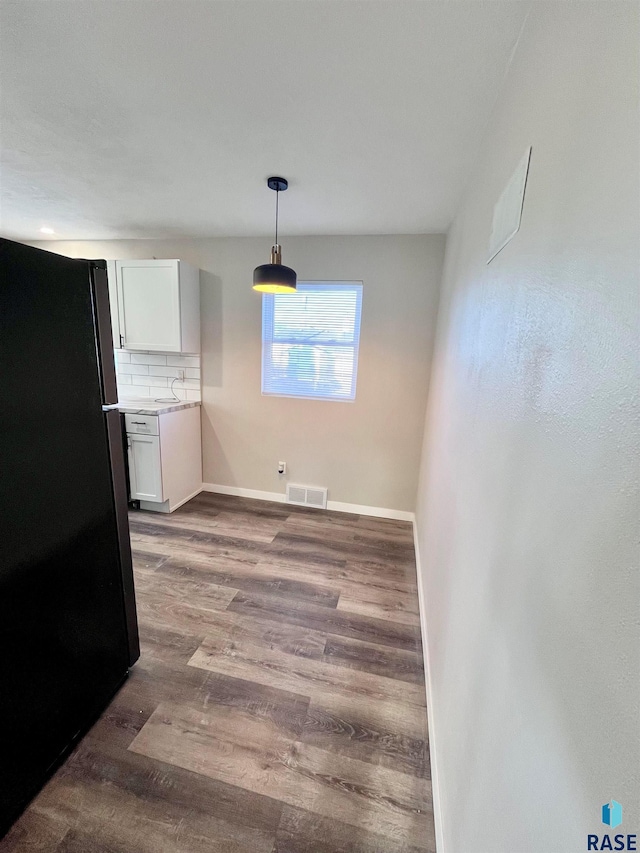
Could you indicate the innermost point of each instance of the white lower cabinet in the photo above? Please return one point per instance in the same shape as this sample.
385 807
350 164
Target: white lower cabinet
145 467
165 458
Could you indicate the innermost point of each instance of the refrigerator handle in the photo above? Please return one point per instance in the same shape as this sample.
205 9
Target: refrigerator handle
120 495
103 334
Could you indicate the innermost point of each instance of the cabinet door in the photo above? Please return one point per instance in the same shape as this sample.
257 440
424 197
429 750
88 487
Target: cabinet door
149 305
145 473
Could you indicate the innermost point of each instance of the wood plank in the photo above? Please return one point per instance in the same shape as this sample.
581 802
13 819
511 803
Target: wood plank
302 831
34 833
251 578
179 604
346 578
241 751
234 525
199 689
213 502
306 676
349 736
237 629
391 568
213 544
232 503
401 718
180 550
316 527
344 624
392 706
147 809
169 647
145 560
159 675
399 546
285 709
149 684
391 605
376 536
121 721
337 577
158 781
322 545
207 594
77 841
371 657
385 525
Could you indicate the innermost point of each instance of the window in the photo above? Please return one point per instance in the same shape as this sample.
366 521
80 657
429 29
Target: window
310 341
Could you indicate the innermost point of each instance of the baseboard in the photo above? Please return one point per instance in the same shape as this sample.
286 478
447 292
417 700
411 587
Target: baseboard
188 498
166 506
435 787
375 511
336 506
237 492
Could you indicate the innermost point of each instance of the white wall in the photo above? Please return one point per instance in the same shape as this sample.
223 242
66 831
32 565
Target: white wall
527 503
366 452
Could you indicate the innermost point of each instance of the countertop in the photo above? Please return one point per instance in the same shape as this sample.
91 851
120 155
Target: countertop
144 406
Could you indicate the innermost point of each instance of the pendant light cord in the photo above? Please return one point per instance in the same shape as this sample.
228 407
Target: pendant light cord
277 196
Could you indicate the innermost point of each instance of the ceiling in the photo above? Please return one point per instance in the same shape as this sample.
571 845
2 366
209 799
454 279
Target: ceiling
163 118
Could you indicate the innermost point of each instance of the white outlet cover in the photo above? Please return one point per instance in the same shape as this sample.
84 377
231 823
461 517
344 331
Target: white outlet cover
507 212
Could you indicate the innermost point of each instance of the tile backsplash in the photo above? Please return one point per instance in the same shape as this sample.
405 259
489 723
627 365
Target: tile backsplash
150 374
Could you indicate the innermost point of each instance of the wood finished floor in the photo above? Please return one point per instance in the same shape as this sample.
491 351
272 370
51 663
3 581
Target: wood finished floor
278 703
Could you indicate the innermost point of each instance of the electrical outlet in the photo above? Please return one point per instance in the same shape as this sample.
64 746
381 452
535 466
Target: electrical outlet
180 373
282 467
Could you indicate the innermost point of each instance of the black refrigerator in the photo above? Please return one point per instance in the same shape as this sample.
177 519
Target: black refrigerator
68 628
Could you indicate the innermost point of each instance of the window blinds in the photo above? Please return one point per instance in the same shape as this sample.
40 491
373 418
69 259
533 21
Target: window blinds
310 341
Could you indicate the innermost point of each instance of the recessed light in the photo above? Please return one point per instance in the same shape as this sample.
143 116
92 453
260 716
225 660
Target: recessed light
45 230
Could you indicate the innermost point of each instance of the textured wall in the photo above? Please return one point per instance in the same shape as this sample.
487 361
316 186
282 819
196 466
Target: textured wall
527 507
366 452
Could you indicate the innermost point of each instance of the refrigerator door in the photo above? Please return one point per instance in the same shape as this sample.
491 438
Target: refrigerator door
104 337
115 429
114 424
63 636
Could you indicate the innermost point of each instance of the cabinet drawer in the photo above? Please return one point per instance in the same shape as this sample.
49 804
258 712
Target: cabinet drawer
141 424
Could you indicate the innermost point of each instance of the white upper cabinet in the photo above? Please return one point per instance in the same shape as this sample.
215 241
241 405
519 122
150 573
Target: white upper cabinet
158 306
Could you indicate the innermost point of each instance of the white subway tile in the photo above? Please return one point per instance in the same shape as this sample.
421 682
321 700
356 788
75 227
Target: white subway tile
194 395
192 373
183 361
147 358
122 357
123 379
151 381
179 393
158 381
134 369
157 370
136 391
189 384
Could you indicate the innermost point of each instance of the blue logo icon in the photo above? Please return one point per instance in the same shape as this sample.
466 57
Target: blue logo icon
612 814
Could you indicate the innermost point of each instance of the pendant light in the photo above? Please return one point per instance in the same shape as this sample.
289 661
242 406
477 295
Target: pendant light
274 277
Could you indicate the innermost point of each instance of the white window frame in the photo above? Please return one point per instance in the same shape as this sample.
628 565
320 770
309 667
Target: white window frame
268 306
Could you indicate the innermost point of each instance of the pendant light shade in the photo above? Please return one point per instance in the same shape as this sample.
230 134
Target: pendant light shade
274 277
